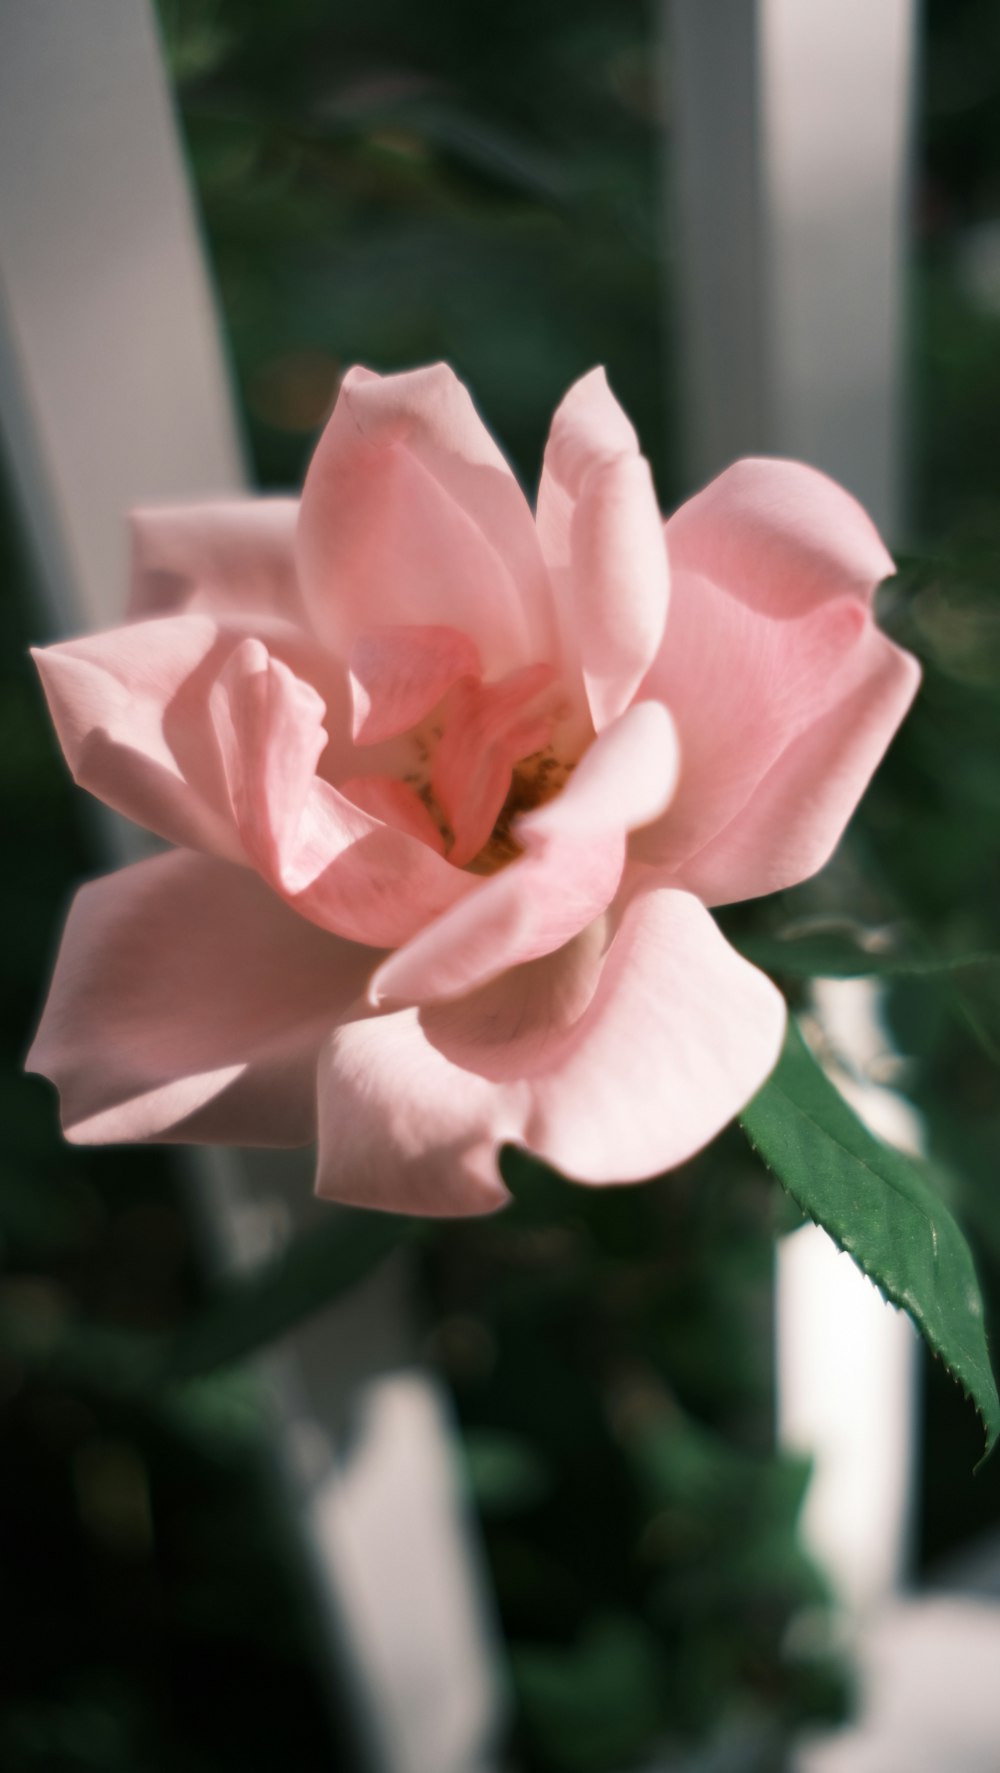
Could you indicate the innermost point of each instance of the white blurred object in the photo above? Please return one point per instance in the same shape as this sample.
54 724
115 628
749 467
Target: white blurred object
931 1700
112 380
846 1363
387 1502
791 166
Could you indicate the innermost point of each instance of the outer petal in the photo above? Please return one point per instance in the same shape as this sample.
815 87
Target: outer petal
411 515
339 865
741 687
780 536
404 1130
752 662
798 811
233 558
601 533
613 1063
188 1003
131 711
678 1033
575 853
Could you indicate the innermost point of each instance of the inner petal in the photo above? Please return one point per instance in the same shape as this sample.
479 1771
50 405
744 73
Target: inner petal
487 730
399 673
396 803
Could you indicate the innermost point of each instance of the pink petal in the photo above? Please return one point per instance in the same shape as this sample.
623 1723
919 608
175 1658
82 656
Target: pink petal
529 908
399 674
364 879
131 711
779 536
410 514
568 876
602 537
613 1061
188 1003
395 803
488 729
271 733
752 662
404 1130
741 686
233 558
678 1033
624 780
337 864
797 813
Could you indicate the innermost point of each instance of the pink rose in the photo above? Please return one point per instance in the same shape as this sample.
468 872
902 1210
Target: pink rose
452 792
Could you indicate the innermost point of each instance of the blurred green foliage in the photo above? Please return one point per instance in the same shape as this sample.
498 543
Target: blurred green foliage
479 184
485 184
643 1549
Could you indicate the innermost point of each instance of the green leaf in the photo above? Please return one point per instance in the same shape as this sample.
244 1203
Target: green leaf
848 952
880 1207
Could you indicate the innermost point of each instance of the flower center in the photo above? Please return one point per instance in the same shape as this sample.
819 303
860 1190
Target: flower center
533 781
472 755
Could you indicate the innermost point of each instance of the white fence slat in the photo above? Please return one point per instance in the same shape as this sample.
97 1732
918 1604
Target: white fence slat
112 333
792 126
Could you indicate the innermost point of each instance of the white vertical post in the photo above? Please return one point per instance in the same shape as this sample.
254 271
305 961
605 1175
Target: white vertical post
716 229
113 383
837 100
792 131
113 392
791 153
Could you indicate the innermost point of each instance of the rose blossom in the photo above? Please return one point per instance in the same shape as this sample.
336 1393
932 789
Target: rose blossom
453 787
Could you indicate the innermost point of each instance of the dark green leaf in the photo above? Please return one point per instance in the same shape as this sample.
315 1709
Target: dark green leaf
850 953
846 951
880 1207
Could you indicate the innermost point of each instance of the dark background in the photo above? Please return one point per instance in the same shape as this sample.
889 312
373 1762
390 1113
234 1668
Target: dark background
486 185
